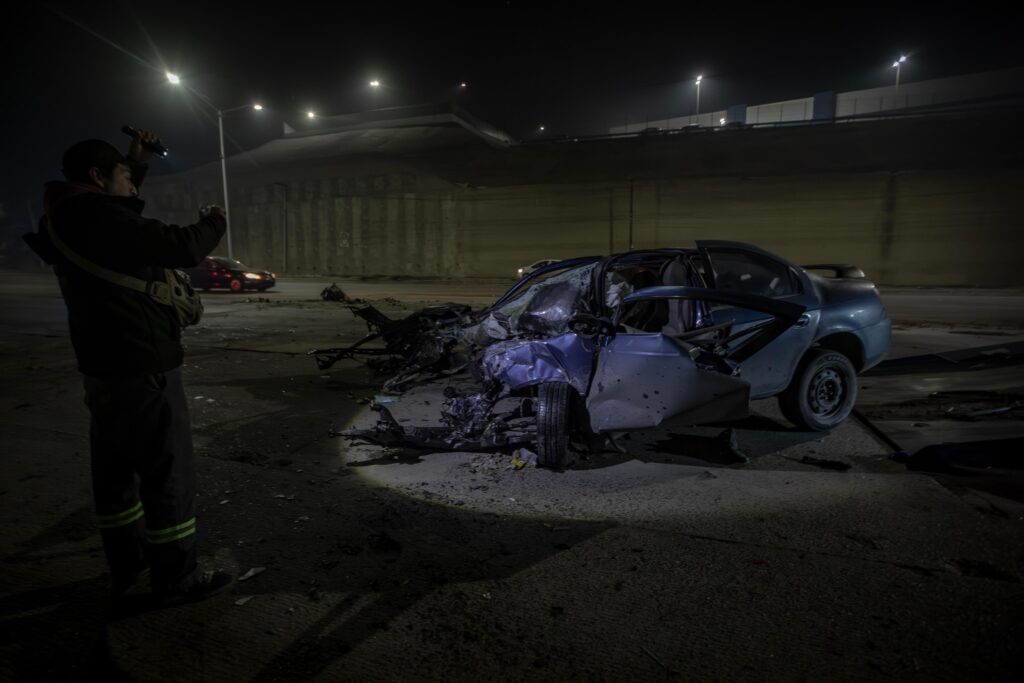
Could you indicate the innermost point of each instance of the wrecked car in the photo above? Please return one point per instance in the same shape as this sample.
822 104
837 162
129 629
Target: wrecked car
595 346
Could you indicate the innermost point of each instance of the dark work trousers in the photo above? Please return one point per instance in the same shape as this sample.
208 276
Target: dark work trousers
143 477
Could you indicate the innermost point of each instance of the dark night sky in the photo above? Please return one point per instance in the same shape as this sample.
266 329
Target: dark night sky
573 67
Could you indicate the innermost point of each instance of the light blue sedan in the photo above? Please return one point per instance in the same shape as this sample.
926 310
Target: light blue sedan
647 338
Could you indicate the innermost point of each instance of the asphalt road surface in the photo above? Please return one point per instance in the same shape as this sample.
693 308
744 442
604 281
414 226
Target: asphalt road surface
674 560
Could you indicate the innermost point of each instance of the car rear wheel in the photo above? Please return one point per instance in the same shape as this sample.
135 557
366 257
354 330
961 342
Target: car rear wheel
822 392
236 285
553 401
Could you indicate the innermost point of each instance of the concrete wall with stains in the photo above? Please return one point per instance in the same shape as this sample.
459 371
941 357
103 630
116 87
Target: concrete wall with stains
394 217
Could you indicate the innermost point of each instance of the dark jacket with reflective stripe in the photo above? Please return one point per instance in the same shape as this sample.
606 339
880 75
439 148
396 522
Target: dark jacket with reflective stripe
116 331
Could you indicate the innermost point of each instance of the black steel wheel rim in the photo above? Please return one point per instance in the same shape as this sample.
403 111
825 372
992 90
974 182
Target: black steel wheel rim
826 392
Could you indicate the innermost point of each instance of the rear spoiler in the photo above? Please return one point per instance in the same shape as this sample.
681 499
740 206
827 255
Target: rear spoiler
843 270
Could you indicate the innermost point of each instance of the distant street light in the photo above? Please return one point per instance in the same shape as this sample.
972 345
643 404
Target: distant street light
896 65
463 85
699 79
223 163
541 129
310 114
375 86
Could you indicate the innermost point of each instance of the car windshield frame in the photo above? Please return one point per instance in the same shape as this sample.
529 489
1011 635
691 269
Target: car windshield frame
529 278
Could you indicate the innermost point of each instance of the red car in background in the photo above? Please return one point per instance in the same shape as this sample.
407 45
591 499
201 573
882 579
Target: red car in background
220 272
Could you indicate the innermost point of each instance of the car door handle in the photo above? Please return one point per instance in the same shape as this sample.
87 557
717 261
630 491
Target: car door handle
802 320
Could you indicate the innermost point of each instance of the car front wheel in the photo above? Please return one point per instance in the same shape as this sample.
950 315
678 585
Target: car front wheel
822 392
553 401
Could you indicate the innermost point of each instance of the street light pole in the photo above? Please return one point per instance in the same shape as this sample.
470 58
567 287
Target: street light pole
896 65
224 178
224 168
175 80
699 79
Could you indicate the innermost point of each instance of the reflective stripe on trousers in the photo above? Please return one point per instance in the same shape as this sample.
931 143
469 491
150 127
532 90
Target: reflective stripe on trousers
174 533
128 516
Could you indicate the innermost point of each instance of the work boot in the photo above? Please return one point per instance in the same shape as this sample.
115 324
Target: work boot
210 583
121 584
129 594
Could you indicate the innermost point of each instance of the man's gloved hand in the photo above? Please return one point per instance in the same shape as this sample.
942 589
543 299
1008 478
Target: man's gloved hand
212 210
136 151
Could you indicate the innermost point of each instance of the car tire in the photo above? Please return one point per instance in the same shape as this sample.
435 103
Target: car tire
822 393
553 405
236 285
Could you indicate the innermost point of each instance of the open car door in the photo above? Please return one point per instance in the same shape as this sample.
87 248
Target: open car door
642 380
745 269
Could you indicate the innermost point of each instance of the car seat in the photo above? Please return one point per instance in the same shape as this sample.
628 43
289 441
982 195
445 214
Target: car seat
676 273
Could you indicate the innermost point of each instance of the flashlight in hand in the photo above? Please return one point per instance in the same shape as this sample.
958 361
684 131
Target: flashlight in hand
154 147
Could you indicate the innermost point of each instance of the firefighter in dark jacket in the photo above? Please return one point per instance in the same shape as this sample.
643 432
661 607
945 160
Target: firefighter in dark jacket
129 352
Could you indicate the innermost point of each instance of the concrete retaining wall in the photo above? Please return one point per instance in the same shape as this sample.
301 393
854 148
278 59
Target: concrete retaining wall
917 202
914 227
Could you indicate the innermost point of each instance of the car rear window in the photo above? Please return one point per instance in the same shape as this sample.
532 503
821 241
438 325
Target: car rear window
752 274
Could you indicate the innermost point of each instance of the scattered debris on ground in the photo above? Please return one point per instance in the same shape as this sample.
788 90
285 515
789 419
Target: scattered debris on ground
255 571
825 464
996 457
965 405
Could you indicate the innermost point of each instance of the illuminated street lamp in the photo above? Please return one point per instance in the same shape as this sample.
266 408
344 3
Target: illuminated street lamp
699 79
896 65
175 80
463 85
310 114
541 129
375 86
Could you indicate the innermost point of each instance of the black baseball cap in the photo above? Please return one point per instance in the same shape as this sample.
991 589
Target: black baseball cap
82 156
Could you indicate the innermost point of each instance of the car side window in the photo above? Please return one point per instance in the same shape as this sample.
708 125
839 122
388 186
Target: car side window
753 274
